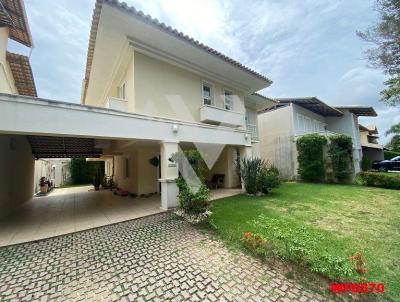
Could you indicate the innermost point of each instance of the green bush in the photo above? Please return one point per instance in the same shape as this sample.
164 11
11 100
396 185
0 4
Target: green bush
84 172
250 169
268 179
366 164
390 154
193 202
341 155
195 160
310 157
381 180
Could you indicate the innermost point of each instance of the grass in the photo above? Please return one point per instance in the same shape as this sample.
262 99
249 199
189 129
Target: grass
321 226
74 185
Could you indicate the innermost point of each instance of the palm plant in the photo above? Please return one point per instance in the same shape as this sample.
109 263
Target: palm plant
394 143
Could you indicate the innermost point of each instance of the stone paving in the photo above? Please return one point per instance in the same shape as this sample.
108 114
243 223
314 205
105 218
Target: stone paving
155 258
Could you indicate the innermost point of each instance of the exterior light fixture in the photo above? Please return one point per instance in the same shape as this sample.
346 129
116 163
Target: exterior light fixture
246 136
175 128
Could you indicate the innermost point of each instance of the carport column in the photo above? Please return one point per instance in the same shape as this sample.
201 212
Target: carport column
169 174
245 152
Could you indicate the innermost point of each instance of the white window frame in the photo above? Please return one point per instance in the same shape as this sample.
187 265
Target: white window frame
231 106
121 91
212 92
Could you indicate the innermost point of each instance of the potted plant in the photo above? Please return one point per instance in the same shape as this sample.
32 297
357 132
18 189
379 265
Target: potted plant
44 185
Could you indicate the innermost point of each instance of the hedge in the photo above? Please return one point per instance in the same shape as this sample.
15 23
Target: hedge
390 154
310 149
381 180
341 155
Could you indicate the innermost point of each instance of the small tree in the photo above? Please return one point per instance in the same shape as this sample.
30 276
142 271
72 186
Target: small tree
341 155
310 148
385 55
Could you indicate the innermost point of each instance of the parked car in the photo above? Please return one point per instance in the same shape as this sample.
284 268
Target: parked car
386 165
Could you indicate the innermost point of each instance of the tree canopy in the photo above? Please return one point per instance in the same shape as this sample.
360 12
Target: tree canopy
386 52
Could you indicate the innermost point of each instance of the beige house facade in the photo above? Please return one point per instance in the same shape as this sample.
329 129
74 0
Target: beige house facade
371 148
149 91
140 66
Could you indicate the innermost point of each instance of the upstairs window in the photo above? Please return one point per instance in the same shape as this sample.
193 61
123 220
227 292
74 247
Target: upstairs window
228 100
121 91
207 94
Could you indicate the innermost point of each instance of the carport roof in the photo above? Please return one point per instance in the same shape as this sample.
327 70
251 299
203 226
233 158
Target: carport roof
63 147
313 104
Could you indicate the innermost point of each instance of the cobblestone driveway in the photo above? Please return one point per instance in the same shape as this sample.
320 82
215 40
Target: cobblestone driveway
156 258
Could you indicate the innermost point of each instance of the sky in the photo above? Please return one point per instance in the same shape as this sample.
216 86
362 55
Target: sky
307 48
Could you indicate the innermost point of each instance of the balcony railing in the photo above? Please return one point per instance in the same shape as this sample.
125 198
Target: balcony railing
117 104
252 130
219 116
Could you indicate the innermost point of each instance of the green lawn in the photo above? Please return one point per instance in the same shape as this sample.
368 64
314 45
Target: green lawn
322 225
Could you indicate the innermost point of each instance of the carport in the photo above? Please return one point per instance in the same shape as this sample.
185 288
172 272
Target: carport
37 128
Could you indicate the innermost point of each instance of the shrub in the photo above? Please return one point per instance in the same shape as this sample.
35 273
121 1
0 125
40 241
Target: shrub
310 149
268 179
390 154
341 155
250 169
83 172
190 202
366 164
381 180
195 160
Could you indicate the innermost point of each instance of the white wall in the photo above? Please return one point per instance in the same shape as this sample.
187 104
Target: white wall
348 124
16 173
276 132
313 122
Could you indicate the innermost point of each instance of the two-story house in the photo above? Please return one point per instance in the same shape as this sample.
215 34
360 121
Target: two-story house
138 65
149 91
280 125
371 148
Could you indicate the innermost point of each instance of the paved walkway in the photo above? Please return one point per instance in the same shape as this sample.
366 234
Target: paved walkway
155 258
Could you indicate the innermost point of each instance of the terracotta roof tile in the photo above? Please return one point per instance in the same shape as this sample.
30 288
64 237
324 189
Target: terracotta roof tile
13 12
22 73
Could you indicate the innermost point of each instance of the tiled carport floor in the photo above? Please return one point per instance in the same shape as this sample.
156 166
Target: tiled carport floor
69 210
74 209
154 258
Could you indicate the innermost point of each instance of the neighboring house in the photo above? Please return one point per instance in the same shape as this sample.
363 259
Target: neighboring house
369 142
279 126
16 159
57 170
